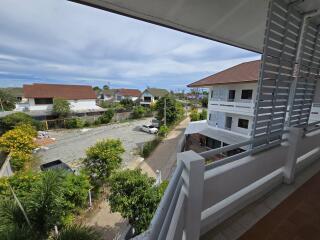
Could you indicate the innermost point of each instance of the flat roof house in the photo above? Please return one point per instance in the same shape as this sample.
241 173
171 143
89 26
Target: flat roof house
39 97
151 95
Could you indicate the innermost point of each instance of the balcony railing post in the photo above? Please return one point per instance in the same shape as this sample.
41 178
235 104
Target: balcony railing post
193 185
294 138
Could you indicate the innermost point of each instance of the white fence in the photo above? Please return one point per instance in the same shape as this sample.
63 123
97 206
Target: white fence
200 197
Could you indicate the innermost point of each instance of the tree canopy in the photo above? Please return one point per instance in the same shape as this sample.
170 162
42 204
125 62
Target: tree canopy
103 158
174 109
61 107
134 195
7 101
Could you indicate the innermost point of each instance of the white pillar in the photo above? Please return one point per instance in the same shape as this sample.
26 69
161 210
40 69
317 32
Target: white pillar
294 138
194 181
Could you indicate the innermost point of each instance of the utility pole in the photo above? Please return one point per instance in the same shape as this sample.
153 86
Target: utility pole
165 111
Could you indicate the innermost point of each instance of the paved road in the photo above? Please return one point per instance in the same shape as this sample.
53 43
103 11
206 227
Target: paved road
71 145
164 157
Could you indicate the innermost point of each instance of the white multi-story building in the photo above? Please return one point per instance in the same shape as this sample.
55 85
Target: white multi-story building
231 103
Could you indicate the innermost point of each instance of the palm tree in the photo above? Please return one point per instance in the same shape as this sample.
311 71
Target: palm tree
78 232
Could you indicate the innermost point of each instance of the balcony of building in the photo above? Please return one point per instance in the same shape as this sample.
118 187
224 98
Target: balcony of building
231 106
204 200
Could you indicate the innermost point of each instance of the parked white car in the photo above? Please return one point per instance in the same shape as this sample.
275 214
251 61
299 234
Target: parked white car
149 129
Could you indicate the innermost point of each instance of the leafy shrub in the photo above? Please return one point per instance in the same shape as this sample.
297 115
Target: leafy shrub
79 232
49 198
19 139
107 116
163 131
103 158
134 195
203 114
194 115
61 107
148 147
127 103
19 160
138 112
75 190
96 122
74 123
15 119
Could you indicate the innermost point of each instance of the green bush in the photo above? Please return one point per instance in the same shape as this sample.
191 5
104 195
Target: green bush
49 198
19 139
203 114
134 195
74 123
19 160
148 147
127 103
163 131
61 107
138 112
103 158
194 115
107 116
12 120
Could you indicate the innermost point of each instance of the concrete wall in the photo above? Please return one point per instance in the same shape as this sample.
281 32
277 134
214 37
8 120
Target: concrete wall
75 105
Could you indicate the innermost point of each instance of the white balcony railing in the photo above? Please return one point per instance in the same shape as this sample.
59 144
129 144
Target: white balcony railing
200 196
243 107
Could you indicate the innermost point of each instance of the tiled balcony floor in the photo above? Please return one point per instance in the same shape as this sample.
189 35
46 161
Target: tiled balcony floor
297 217
288 212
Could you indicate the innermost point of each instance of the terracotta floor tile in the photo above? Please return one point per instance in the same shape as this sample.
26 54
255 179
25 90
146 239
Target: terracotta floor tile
296 218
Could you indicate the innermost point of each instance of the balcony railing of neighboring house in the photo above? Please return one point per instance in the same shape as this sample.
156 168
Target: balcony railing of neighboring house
201 196
229 105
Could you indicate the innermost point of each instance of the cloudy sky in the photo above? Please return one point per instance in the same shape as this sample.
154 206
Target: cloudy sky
57 41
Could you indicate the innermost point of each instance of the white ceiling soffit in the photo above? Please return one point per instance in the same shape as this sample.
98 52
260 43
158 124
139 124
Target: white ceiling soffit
236 22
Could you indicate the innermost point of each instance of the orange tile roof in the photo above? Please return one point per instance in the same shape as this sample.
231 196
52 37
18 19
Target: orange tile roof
70 92
241 73
128 92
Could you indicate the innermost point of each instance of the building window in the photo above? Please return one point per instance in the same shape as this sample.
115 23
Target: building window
228 123
209 116
246 94
232 94
211 94
243 123
42 101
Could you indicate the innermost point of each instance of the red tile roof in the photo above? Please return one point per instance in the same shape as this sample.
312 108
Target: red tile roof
70 92
241 73
128 92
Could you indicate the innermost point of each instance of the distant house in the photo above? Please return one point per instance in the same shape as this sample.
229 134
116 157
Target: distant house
106 95
124 93
151 95
39 97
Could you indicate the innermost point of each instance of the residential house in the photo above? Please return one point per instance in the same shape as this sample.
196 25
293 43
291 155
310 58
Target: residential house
151 95
106 94
124 93
231 102
39 97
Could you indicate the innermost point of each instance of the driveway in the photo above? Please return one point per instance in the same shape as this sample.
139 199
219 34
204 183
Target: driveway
71 145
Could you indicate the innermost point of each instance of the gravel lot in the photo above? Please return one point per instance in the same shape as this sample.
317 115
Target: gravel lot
71 145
